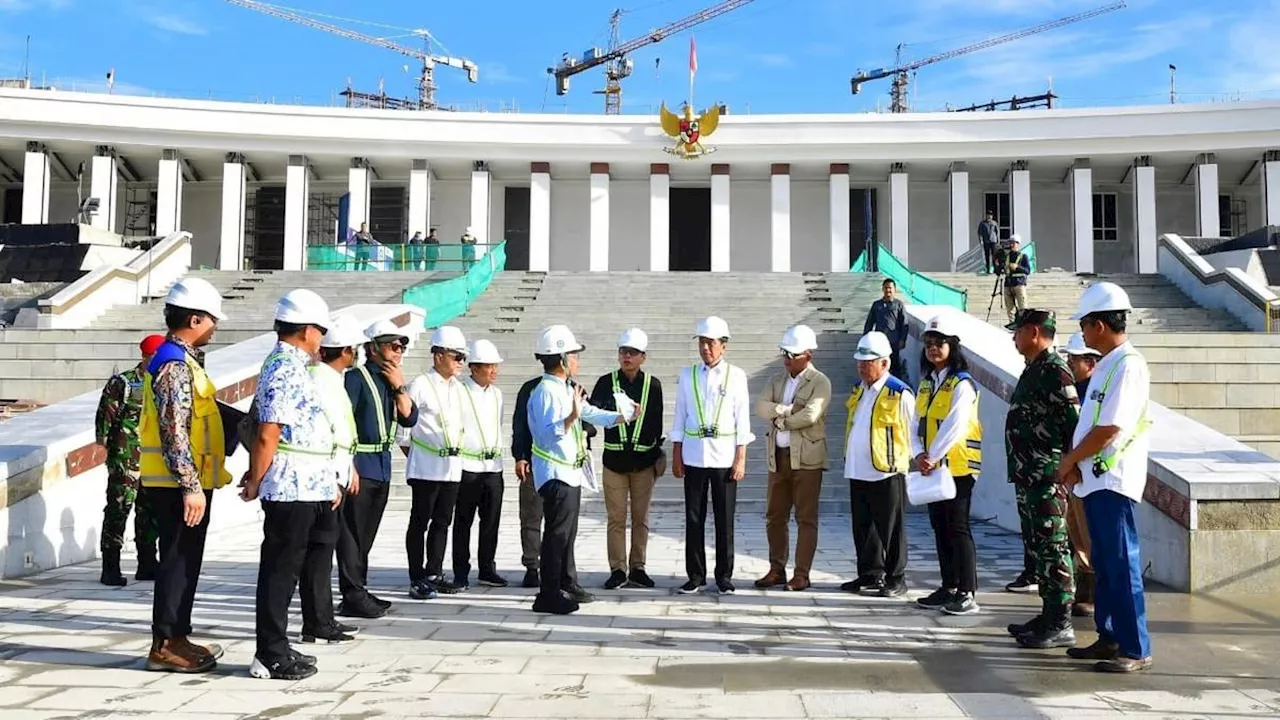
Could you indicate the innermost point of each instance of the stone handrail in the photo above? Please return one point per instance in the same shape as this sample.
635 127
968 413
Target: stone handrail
1232 289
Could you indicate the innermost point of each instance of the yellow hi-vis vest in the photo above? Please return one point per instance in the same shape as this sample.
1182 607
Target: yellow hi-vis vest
965 457
889 436
208 443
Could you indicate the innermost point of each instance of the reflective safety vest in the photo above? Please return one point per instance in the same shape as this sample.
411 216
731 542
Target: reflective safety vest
964 457
1107 458
385 436
345 415
708 430
630 432
208 441
487 451
888 435
580 441
451 448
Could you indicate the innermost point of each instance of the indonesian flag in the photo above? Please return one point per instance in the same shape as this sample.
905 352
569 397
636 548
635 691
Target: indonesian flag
693 56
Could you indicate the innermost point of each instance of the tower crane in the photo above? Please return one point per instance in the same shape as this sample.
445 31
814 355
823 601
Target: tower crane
615 61
427 77
901 74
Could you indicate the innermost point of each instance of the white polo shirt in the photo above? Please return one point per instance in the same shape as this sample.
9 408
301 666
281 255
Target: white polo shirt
726 404
440 425
1123 405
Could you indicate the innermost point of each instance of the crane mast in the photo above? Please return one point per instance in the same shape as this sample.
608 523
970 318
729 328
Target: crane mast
426 77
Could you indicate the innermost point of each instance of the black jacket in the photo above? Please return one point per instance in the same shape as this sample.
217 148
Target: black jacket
889 318
521 437
374 466
627 461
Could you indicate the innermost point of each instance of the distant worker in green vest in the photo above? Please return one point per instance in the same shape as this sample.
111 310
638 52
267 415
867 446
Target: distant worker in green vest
468 241
1017 268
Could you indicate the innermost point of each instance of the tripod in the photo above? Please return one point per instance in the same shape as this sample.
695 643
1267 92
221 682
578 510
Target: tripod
996 291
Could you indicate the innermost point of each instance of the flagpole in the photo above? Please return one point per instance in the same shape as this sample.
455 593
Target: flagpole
693 69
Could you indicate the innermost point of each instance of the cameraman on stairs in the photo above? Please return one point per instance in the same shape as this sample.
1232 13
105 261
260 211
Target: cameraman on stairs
1017 268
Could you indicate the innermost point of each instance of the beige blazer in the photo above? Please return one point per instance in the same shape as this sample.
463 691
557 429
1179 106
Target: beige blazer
808 425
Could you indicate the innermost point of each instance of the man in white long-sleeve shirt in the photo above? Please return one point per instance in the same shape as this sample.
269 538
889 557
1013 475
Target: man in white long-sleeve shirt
481 489
709 435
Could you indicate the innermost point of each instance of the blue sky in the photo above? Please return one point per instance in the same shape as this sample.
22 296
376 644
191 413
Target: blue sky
770 56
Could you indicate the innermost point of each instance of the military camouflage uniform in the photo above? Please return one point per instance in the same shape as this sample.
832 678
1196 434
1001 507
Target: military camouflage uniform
116 427
1038 429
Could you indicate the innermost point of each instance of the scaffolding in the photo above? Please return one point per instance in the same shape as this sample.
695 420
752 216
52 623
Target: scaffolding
1013 103
140 209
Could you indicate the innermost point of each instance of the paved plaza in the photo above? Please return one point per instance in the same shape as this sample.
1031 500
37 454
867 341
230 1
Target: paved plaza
70 648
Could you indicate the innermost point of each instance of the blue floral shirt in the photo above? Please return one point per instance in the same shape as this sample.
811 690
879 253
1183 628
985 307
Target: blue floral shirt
287 396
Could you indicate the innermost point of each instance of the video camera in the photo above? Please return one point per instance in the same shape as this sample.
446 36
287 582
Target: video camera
1000 258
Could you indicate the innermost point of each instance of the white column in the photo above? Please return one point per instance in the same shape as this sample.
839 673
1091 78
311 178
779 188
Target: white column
1144 214
357 194
598 222
898 212
1082 214
540 216
35 185
169 194
720 218
780 217
1271 187
659 217
480 185
104 185
1020 199
958 185
231 247
419 198
1208 222
297 196
838 187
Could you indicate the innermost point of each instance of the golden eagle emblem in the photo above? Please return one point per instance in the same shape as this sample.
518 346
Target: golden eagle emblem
689 131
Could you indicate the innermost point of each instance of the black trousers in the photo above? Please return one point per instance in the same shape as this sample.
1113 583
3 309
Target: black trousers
560 504
294 543
428 533
359 516
724 499
957 558
988 255
878 527
480 492
181 556
315 585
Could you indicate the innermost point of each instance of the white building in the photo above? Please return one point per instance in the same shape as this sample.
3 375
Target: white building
1093 188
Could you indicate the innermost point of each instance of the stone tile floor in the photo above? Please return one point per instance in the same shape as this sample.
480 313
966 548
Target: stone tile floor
70 648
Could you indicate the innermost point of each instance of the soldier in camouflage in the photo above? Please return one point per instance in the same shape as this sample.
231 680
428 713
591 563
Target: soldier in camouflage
116 429
1042 416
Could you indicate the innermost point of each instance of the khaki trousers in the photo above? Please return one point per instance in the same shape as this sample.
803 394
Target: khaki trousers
1015 300
787 489
619 488
1078 534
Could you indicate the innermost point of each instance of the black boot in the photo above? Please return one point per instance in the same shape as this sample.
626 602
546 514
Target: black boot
1055 631
111 569
146 565
1033 625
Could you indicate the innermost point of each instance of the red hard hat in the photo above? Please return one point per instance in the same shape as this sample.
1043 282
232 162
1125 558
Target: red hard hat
150 344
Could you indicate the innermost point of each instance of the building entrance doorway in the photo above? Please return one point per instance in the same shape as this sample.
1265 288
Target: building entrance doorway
862 225
690 229
11 211
516 227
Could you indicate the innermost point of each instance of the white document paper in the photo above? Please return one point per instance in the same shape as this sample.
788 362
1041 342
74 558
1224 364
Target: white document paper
625 404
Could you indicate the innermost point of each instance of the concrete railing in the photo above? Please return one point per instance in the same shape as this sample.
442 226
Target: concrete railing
1210 521
1230 289
149 274
53 480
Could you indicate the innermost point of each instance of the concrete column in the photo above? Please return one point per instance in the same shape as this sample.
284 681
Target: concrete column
1208 222
169 193
961 225
780 217
898 212
297 197
720 217
357 195
1082 214
540 216
1271 187
104 185
231 247
1144 214
419 198
838 189
598 253
1020 199
659 217
480 187
35 185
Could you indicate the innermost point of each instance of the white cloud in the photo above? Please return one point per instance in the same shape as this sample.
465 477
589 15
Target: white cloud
497 73
776 60
175 24
21 5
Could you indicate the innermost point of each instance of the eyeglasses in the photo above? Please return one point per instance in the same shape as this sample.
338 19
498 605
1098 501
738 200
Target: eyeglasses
629 352
395 347
458 357
934 342
792 355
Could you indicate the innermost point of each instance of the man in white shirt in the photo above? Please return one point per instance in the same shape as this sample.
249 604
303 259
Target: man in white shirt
878 429
709 434
434 448
1108 468
481 488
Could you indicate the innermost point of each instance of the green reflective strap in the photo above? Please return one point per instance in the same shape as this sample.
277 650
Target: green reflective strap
488 452
1105 461
288 449
444 421
629 433
713 430
581 441
384 443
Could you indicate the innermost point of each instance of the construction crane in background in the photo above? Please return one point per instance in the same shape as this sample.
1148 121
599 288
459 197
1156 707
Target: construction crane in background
902 75
427 77
615 61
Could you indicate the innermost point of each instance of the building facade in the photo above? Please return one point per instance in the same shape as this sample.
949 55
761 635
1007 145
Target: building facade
255 184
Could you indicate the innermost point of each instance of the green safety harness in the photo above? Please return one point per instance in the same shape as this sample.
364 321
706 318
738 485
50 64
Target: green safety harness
487 451
450 449
629 433
383 443
579 461
288 449
708 430
1107 458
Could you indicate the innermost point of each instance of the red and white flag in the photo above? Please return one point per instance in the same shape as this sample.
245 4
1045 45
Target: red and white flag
693 56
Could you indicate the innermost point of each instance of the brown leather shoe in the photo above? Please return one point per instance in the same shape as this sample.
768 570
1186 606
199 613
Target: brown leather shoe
170 656
773 579
798 583
1082 609
213 650
1123 664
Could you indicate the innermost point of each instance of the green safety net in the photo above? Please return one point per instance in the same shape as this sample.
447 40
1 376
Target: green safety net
919 288
347 257
445 300
1030 252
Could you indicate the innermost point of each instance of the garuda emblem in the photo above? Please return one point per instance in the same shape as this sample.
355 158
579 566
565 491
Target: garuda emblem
689 131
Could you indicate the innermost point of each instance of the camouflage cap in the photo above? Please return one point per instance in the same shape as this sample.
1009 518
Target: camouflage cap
1030 316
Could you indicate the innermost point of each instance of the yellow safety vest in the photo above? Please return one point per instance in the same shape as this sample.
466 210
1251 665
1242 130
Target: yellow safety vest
889 434
208 443
965 457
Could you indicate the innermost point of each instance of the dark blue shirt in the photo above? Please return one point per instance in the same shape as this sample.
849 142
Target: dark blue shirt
1018 270
374 466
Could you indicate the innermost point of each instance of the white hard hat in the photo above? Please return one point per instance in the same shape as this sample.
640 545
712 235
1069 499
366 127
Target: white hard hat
557 340
343 333
712 327
873 346
196 294
634 338
385 329
1102 297
449 338
943 325
798 339
1015 238
1076 346
483 352
303 307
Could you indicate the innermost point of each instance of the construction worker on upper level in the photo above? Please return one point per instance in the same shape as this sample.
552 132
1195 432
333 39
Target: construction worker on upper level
481 488
1017 268
181 461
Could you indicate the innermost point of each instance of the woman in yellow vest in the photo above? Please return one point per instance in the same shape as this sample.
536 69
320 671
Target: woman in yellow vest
949 434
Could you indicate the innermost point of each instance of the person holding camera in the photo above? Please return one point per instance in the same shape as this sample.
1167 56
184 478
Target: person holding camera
1016 268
